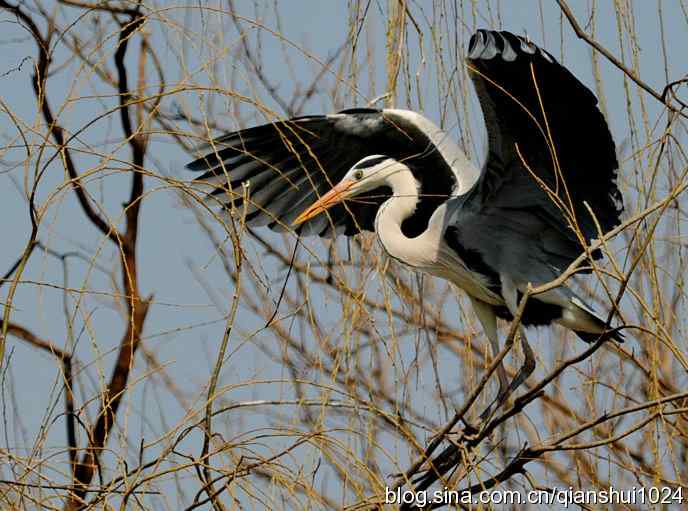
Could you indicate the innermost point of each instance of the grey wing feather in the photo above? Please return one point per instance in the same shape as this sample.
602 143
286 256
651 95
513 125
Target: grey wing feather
550 154
545 132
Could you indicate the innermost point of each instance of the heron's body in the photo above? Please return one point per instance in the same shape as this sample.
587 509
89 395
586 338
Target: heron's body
547 188
441 250
428 252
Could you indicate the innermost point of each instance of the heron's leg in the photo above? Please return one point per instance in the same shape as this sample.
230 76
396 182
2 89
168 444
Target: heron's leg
510 294
488 320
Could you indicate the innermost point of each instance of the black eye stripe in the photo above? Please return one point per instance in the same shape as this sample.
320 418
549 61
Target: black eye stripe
370 163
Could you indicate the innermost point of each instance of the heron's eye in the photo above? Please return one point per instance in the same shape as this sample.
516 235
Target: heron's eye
358 175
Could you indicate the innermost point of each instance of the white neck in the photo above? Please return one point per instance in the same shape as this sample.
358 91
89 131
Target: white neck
421 250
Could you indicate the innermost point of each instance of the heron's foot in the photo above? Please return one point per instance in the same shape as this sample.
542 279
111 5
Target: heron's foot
498 401
507 388
502 393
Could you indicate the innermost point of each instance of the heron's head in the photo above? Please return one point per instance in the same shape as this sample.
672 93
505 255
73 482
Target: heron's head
368 174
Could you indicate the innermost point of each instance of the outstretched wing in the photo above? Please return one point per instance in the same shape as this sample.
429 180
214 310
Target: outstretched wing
550 150
550 154
289 164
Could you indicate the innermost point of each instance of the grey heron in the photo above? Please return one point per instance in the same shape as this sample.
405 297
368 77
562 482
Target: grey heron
547 188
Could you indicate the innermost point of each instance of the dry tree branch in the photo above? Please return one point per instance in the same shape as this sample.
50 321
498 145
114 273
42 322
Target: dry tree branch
38 82
235 236
137 307
67 362
661 97
352 398
477 390
57 132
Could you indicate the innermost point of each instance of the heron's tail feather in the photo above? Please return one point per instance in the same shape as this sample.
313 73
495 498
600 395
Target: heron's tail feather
585 322
609 334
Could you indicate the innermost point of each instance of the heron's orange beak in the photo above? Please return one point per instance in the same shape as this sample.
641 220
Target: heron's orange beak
334 196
